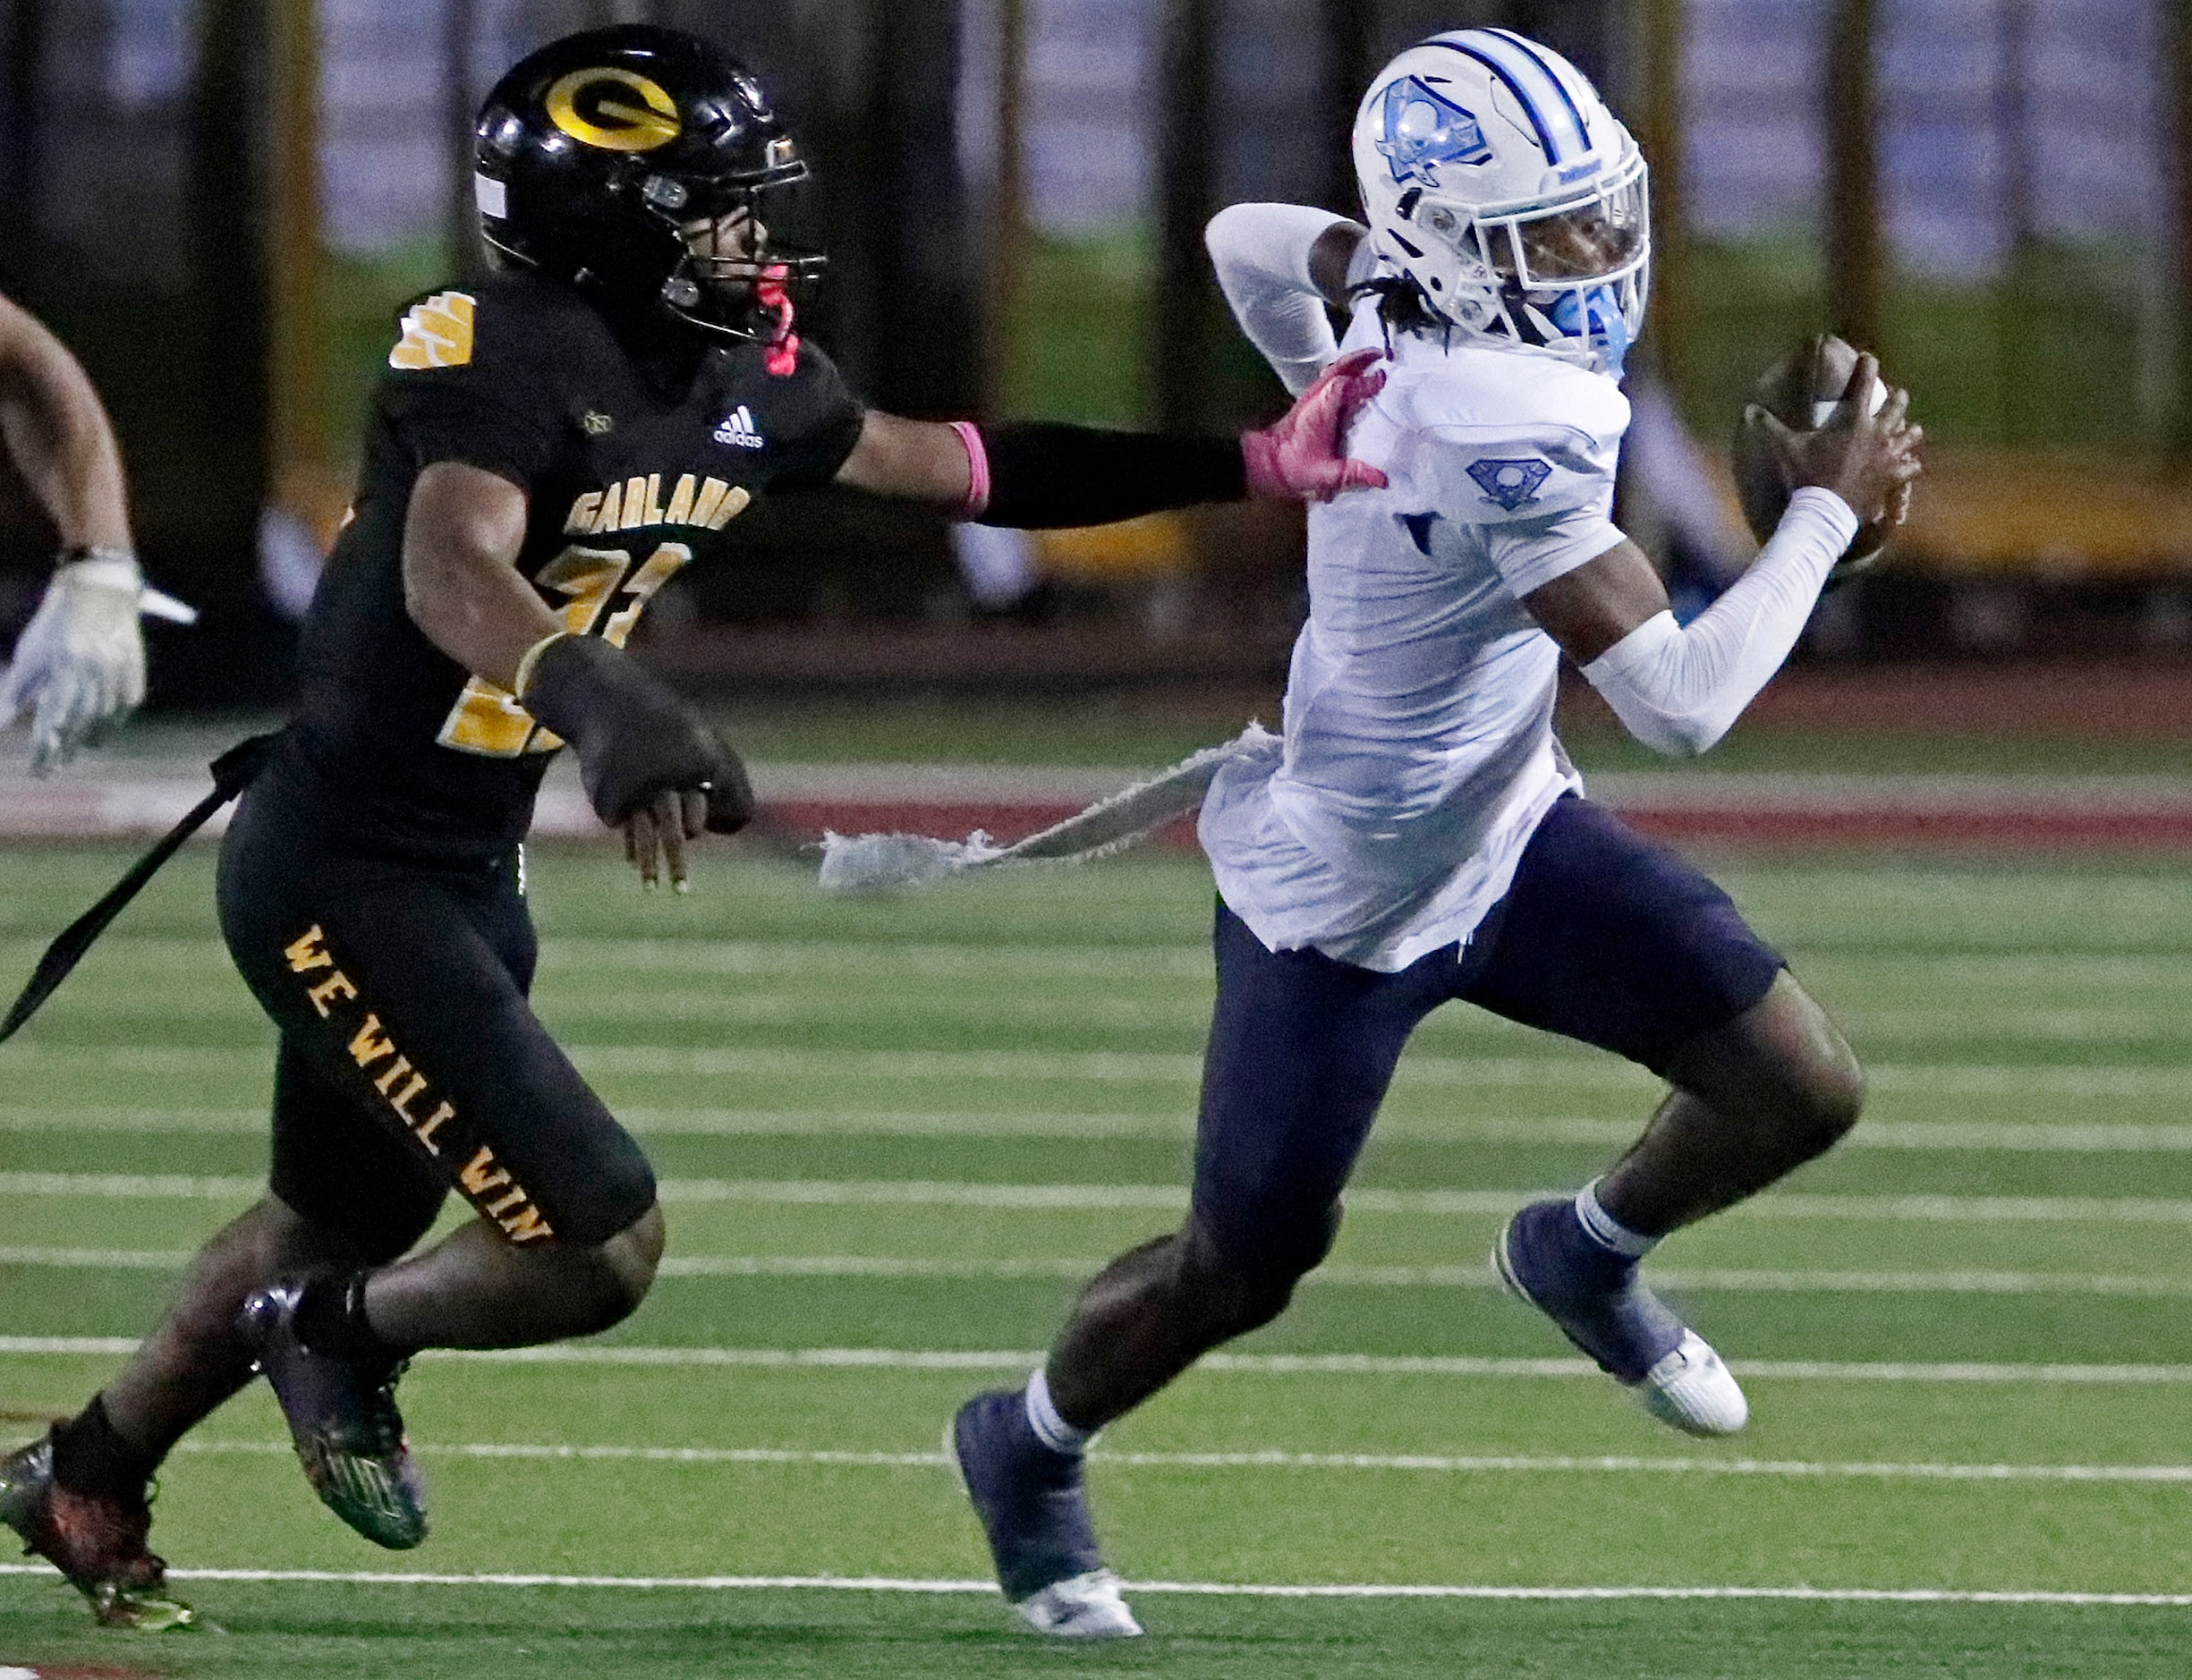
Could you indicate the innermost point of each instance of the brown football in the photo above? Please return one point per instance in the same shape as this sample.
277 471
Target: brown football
1797 390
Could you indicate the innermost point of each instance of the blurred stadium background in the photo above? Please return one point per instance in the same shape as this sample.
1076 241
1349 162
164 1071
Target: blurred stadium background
218 202
896 1134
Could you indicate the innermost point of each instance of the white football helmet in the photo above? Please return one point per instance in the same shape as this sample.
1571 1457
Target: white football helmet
1496 181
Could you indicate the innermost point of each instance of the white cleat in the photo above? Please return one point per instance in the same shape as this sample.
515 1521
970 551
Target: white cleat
1692 1389
1085 1607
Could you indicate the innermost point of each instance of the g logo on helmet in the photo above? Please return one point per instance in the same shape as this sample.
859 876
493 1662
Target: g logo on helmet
597 107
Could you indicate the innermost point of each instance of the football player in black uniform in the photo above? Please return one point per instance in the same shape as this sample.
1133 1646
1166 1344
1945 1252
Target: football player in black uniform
550 447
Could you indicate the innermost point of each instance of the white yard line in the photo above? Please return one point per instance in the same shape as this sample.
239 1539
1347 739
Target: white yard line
1155 1005
132 1186
1173 1197
2107 1080
1201 1589
154 1122
2039 1137
1075 1269
119 1260
1435 1463
1477 1276
1441 1365
572 956
2011 1210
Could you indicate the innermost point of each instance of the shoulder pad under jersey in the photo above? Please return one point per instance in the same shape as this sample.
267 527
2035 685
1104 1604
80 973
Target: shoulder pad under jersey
1492 436
511 324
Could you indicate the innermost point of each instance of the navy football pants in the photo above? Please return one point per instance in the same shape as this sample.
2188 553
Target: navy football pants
1604 937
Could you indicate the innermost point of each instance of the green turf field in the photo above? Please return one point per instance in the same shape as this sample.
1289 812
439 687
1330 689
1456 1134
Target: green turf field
893 1137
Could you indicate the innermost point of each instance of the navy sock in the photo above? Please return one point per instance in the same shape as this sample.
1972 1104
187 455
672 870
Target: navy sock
1608 1232
1594 1257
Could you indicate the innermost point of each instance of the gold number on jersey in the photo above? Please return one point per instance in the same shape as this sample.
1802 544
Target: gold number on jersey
486 719
658 568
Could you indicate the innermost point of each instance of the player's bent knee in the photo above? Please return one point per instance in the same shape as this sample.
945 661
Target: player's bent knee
1242 1288
635 1254
1834 1094
604 1196
604 1282
1785 1066
1822 1082
629 1260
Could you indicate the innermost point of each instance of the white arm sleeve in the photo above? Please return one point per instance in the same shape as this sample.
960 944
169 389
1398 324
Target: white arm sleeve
1680 689
1261 253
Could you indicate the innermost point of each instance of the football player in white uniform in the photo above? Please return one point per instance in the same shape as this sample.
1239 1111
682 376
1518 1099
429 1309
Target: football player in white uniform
80 661
1419 836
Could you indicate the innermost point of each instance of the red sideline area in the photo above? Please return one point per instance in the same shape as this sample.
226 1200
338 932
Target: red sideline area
1705 808
124 796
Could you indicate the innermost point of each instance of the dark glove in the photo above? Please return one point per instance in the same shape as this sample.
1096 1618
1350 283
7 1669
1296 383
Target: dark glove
634 737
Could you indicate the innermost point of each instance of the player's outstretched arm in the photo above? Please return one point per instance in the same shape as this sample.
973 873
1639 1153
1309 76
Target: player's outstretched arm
80 661
59 436
1679 688
651 769
1040 475
1281 266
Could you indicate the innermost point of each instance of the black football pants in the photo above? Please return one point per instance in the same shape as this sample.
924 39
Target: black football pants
410 1064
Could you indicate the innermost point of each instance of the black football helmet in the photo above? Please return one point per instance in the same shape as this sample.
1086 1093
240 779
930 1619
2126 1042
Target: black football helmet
595 152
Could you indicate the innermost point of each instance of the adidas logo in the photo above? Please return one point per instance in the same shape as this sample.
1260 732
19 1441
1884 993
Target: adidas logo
738 430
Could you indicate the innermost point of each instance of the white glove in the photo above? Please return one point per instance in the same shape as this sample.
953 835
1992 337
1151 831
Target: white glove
81 660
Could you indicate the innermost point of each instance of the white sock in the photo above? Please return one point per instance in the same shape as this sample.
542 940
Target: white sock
1051 1430
1608 1232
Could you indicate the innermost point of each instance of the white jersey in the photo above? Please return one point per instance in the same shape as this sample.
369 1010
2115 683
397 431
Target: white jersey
1418 754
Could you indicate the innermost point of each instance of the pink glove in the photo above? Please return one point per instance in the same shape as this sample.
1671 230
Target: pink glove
1299 459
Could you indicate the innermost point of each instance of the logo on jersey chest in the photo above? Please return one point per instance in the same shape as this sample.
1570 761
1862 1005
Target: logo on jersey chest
636 503
739 431
1510 483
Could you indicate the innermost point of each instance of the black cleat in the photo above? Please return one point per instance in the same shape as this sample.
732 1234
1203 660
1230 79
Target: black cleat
1034 1511
342 1418
98 1544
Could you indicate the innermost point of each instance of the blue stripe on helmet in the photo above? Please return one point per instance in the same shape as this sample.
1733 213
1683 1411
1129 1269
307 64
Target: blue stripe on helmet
1529 50
1514 86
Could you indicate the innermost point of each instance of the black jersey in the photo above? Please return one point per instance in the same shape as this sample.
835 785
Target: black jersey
634 450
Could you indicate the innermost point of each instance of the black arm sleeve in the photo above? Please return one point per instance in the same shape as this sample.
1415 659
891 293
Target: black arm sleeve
1045 475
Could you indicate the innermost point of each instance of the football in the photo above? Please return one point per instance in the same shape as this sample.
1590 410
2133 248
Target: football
1800 390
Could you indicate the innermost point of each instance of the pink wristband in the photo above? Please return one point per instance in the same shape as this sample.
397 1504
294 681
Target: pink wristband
977 469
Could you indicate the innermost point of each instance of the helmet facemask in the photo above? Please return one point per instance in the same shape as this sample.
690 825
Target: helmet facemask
743 266
1570 277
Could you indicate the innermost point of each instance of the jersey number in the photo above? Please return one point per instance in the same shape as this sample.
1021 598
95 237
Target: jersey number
487 720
